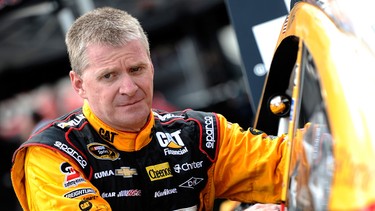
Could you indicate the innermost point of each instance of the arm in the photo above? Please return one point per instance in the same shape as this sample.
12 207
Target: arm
250 165
52 183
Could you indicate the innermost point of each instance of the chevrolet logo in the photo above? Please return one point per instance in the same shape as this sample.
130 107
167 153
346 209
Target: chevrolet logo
126 172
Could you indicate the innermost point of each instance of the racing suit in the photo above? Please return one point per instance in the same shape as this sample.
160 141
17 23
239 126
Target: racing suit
180 160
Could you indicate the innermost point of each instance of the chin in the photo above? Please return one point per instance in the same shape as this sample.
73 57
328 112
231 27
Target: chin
134 114
133 126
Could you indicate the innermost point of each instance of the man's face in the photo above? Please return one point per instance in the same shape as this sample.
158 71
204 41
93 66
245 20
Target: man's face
118 84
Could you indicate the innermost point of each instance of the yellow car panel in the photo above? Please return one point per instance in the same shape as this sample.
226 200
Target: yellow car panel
331 52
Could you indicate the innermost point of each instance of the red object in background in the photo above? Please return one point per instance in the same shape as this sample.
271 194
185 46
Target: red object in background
161 103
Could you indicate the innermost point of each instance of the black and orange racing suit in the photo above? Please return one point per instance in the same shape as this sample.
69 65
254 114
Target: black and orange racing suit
179 160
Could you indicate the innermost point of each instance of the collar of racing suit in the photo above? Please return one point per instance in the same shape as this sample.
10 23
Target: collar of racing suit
124 141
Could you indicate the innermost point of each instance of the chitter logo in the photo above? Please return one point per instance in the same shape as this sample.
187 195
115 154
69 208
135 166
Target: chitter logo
159 171
187 166
126 172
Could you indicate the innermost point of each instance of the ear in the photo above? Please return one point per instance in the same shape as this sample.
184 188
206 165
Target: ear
77 84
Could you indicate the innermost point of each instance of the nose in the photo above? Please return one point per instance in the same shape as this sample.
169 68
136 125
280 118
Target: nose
128 86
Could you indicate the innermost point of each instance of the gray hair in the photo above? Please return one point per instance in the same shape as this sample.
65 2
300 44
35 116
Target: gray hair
107 26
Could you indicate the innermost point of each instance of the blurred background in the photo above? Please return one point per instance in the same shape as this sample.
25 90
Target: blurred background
209 55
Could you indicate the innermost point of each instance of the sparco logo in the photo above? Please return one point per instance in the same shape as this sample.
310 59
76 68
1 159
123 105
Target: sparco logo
73 122
159 171
74 154
210 135
172 143
102 151
187 166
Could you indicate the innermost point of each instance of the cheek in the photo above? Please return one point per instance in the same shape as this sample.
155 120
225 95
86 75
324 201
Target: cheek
145 84
149 89
152 90
151 83
95 91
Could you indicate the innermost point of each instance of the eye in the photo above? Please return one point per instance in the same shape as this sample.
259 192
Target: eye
135 69
107 75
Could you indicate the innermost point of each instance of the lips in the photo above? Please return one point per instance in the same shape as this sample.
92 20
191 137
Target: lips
130 103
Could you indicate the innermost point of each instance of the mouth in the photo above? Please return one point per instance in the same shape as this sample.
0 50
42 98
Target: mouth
130 103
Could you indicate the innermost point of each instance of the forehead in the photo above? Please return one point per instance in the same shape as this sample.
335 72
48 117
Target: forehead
99 54
101 50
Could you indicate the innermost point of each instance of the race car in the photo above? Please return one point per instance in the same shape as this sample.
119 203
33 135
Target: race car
320 90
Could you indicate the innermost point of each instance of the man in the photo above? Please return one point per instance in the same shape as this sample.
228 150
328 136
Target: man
116 153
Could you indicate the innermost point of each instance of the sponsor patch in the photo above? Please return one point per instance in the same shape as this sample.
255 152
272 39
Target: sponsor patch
171 142
108 195
71 152
102 151
122 193
126 172
131 192
187 166
72 177
159 171
209 137
79 192
92 197
107 135
191 183
167 116
165 192
102 174
85 205
74 122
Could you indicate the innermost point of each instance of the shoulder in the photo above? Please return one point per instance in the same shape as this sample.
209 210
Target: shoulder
72 119
187 114
56 129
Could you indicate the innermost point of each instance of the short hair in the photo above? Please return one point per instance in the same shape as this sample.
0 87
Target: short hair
106 26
